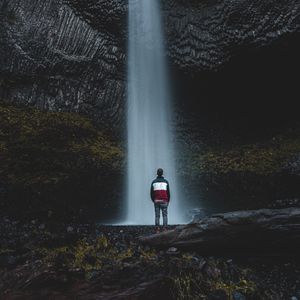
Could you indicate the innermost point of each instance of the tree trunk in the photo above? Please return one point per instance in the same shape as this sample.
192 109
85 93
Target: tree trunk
265 230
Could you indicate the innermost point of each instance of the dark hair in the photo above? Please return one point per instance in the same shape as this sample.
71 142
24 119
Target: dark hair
160 172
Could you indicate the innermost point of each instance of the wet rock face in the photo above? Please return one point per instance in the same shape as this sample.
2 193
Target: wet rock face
204 35
71 55
64 55
231 63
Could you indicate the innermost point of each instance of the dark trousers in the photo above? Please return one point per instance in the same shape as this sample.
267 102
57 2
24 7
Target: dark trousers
164 208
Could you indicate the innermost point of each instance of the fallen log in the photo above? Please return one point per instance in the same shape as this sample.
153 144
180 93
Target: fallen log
270 230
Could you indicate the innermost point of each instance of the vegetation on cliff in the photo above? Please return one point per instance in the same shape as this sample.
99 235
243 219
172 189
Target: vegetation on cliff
51 161
232 170
264 158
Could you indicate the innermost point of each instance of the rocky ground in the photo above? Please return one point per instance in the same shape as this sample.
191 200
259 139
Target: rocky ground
54 260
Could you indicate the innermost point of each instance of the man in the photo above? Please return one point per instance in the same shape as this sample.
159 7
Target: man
160 195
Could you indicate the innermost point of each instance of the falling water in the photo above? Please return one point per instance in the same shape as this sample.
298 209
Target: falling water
149 114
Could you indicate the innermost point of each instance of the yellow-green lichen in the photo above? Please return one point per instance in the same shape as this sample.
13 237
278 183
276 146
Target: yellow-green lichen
244 286
262 159
43 150
86 255
197 286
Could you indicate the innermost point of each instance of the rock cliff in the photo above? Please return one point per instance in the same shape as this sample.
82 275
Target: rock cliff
70 55
231 62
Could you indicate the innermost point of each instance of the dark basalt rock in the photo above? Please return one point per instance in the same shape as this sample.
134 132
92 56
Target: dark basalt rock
293 165
217 295
205 35
64 56
70 55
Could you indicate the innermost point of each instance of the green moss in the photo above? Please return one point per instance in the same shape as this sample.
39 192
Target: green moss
197 286
6 251
54 132
187 287
148 255
244 286
54 155
86 255
262 159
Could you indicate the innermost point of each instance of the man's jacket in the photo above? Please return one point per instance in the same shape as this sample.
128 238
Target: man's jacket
160 190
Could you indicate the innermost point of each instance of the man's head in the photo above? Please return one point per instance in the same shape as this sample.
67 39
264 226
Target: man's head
160 172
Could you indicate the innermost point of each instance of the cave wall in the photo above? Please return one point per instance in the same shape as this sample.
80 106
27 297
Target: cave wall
57 55
204 35
70 55
230 64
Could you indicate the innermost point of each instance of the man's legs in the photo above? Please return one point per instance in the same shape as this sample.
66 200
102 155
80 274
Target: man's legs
157 213
164 208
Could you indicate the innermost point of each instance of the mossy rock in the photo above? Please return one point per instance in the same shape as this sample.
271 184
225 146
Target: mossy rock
244 174
263 159
55 161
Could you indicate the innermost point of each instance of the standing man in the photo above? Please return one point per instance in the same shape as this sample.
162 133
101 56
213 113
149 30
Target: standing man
160 195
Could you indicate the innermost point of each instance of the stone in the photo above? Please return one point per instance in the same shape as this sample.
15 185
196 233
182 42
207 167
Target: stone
7 260
87 39
196 214
212 272
218 295
238 296
42 226
172 251
70 229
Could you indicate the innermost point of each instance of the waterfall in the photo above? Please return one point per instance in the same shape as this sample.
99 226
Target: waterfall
150 138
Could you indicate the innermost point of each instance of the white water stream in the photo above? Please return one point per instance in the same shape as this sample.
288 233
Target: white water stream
150 137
